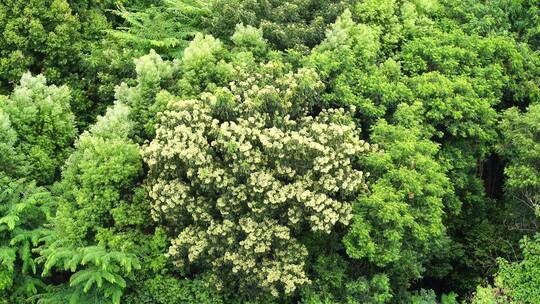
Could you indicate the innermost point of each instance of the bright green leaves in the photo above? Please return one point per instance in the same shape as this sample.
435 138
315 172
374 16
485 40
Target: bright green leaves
96 188
398 224
41 117
66 42
452 105
518 17
462 79
348 49
145 99
250 130
515 282
374 291
203 66
9 159
250 38
99 174
383 16
348 61
7 258
497 66
96 181
346 43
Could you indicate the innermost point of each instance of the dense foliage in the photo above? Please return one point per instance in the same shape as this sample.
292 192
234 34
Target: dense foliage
257 151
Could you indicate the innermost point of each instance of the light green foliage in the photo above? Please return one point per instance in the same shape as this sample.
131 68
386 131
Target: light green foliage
462 79
98 176
67 41
203 66
96 192
350 44
240 173
9 159
249 38
489 295
399 224
165 27
376 290
396 21
497 67
382 14
453 105
52 37
515 282
40 115
36 130
145 99
348 62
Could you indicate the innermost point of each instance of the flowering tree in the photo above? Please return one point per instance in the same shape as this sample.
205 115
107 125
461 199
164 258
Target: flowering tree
240 173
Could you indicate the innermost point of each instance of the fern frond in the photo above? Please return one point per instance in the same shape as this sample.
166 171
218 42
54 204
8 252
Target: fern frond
83 277
59 257
93 254
166 28
10 221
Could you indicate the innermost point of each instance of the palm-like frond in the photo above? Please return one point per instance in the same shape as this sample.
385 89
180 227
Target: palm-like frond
166 28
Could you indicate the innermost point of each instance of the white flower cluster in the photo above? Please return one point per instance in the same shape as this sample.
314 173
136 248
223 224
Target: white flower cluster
237 190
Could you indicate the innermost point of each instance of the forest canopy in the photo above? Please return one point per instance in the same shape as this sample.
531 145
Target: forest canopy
256 151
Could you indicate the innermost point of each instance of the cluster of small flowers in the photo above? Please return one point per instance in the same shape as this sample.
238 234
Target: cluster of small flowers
236 189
